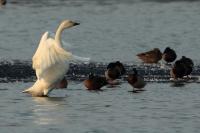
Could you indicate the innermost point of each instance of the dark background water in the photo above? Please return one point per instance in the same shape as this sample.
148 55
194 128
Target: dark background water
110 30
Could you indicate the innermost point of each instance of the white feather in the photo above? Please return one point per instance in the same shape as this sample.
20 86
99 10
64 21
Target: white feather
47 55
50 62
79 58
68 45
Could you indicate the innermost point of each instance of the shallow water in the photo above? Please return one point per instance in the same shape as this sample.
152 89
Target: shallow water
159 108
110 30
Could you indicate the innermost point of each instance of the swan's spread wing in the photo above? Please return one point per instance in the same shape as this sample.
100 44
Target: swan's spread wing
52 35
36 56
48 54
79 58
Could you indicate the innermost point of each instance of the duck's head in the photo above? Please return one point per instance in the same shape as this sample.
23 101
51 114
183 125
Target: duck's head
167 49
169 55
187 61
156 49
158 52
2 2
68 24
132 77
120 67
111 65
183 57
134 72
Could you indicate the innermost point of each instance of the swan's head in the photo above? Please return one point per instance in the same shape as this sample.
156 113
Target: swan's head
68 24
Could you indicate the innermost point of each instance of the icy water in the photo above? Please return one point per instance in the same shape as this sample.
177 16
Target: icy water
109 30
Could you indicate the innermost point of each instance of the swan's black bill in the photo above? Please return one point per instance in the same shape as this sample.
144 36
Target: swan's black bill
76 24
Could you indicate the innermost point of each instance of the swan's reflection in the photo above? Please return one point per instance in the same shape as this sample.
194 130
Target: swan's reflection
47 110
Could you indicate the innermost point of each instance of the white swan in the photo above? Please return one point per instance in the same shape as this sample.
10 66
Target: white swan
50 62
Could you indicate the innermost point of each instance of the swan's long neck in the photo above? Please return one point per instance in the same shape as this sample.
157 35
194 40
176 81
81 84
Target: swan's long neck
58 35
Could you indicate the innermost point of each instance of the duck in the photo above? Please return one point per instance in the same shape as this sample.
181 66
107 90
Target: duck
117 65
63 84
136 81
182 67
114 71
169 55
178 70
50 62
3 2
95 82
189 65
152 56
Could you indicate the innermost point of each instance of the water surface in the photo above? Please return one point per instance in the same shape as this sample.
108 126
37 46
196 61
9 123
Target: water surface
159 108
110 30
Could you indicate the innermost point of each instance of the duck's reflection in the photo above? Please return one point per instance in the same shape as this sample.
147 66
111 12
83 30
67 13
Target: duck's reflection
46 111
177 84
184 81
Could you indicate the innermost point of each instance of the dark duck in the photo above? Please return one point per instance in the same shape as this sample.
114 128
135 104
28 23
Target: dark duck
136 81
169 55
63 84
181 68
95 82
114 71
2 2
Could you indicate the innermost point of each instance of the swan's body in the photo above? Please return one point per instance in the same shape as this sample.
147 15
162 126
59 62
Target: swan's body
50 62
